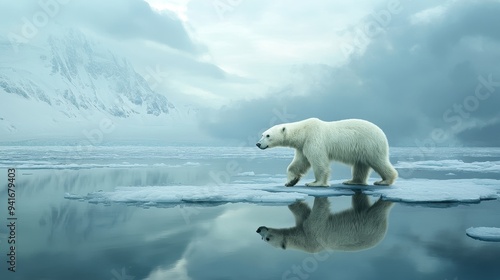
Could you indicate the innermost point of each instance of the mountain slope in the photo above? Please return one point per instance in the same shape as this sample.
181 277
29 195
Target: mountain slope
72 71
67 83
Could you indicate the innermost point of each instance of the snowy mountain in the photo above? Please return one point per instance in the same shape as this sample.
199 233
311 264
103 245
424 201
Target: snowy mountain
62 84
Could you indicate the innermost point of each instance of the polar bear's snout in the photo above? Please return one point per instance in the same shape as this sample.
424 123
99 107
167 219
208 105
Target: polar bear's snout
262 231
271 237
261 145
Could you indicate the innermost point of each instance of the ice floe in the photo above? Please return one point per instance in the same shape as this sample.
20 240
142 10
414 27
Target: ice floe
432 191
190 194
409 191
484 233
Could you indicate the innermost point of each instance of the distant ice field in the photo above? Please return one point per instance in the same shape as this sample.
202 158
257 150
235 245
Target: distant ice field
84 157
482 160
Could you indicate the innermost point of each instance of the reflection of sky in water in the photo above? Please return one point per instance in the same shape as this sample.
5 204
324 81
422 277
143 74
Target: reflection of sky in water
66 239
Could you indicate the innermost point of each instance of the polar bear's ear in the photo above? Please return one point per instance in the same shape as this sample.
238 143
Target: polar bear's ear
283 129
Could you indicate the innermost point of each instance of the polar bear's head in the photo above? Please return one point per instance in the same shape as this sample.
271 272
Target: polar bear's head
272 237
272 137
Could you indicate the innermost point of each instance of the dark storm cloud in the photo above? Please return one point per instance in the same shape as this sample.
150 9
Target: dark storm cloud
412 79
125 19
135 19
467 18
487 136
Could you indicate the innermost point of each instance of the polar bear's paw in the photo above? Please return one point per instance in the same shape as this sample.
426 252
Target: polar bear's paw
352 182
317 184
383 183
292 182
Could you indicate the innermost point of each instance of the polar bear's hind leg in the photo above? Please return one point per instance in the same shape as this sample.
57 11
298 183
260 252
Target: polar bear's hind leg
387 172
360 173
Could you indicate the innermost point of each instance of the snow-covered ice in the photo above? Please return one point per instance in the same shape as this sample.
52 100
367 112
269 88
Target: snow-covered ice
422 153
484 233
246 173
451 165
410 191
178 194
431 191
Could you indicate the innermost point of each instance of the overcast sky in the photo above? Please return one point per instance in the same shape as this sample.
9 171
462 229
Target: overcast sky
426 73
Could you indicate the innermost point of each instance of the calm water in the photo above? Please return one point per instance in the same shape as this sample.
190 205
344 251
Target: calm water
57 238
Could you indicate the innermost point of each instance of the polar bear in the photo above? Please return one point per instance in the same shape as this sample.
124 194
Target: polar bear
358 143
359 228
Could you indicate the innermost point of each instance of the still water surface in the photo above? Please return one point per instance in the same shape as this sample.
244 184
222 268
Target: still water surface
58 238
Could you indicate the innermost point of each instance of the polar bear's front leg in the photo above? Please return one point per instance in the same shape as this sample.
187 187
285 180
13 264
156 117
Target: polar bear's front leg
300 211
320 210
297 168
321 168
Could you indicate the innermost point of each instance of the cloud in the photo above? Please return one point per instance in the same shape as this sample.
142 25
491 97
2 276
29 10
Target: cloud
488 135
124 20
137 20
413 68
410 80
262 39
429 15
161 46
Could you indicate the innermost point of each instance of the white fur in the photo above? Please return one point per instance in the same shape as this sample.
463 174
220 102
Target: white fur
361 227
358 143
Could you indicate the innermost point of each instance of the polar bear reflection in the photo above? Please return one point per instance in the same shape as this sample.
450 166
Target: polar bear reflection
361 227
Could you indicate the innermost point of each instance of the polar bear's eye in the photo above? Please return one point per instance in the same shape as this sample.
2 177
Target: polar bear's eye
267 136
267 238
